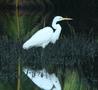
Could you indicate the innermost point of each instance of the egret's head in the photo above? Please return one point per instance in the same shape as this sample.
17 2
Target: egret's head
56 82
60 18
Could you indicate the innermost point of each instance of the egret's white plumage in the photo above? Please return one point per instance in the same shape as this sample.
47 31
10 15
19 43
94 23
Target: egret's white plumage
39 38
46 35
43 79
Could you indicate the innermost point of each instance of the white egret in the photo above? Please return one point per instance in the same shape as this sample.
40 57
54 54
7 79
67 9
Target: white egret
46 35
43 79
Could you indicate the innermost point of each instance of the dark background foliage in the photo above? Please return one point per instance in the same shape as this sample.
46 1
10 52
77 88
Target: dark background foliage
84 12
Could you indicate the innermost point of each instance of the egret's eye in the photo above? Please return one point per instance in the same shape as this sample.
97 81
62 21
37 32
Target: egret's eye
60 18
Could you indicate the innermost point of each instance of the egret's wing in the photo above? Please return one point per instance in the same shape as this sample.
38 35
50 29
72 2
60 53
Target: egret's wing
40 37
42 34
43 82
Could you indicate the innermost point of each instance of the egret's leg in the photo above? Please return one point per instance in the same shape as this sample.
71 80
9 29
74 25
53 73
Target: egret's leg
42 61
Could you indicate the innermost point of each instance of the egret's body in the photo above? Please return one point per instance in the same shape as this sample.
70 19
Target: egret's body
43 79
46 35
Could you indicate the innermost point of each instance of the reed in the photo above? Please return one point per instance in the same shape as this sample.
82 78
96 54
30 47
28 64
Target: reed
18 31
73 82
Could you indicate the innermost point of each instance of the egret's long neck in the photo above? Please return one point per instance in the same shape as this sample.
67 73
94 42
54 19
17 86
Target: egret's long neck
57 31
54 24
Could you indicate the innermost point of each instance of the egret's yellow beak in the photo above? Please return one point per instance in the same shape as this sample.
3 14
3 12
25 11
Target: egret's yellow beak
67 19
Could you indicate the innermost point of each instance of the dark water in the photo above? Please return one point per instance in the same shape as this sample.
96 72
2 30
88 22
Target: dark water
77 47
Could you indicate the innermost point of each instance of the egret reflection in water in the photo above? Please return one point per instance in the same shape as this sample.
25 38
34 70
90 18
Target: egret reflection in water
43 79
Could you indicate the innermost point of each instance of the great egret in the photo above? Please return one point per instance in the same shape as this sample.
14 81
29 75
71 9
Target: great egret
43 79
46 35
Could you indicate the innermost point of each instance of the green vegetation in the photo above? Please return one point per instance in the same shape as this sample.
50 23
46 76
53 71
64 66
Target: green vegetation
73 81
5 86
